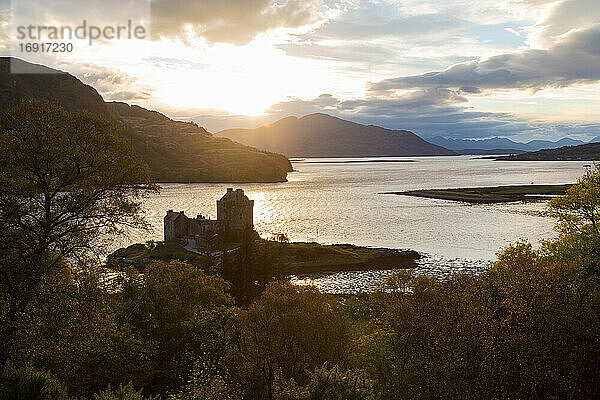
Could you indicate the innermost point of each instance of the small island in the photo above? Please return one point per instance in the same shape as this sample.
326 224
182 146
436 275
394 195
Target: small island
492 194
295 258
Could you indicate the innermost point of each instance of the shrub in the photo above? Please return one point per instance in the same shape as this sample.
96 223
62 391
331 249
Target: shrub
327 384
30 383
126 392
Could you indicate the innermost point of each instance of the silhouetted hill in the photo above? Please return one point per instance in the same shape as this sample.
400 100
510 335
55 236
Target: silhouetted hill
41 82
175 151
584 152
321 135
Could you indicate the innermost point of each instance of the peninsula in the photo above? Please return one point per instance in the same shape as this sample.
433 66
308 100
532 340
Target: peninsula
492 194
583 152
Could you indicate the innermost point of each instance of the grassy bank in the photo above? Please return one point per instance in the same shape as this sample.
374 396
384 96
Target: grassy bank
299 258
493 194
310 258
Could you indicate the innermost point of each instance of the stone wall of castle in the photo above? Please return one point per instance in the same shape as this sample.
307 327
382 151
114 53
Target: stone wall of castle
235 209
234 214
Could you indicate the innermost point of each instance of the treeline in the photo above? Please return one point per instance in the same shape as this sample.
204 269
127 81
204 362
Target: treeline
529 327
526 329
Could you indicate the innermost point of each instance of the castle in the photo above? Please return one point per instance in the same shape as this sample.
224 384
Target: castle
234 215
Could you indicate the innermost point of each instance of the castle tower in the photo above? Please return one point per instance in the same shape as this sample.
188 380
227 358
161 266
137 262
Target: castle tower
235 210
176 225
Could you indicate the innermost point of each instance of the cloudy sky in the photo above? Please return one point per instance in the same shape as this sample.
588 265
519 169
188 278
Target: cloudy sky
524 69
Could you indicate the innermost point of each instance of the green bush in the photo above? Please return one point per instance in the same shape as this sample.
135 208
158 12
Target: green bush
328 384
207 383
30 383
126 392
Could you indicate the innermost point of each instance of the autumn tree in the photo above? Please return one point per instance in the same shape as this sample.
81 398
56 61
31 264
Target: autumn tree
251 267
289 330
578 210
186 313
578 222
66 181
544 326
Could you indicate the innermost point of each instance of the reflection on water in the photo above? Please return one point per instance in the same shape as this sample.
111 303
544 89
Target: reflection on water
341 203
369 281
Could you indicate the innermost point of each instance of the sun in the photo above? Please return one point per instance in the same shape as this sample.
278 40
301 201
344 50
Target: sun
244 80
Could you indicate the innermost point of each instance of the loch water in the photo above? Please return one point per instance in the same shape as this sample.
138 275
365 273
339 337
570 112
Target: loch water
343 201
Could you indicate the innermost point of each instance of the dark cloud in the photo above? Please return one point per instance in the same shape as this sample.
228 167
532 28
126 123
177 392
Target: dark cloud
573 60
352 53
409 102
231 21
411 28
428 112
564 17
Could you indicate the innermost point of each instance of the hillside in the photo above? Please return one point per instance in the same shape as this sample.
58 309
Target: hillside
179 151
48 84
584 152
175 151
321 135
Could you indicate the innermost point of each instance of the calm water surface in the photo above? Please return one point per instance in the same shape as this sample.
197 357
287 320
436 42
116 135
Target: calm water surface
337 201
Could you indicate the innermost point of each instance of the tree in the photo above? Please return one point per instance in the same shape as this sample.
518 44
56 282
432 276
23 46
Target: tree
545 325
126 392
252 267
281 238
70 328
66 181
184 311
578 216
208 383
578 210
327 383
289 330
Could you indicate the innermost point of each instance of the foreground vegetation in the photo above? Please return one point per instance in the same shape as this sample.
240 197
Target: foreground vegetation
529 327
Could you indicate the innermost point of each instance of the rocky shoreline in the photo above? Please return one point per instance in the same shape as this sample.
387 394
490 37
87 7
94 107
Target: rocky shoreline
382 259
301 258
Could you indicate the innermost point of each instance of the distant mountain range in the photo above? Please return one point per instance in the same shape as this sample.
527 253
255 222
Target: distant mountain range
175 151
322 135
502 145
